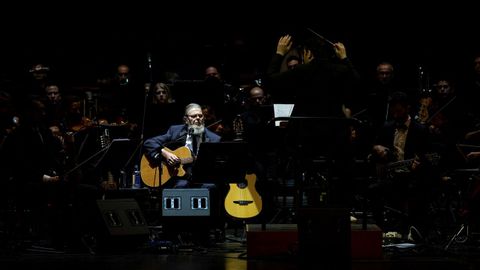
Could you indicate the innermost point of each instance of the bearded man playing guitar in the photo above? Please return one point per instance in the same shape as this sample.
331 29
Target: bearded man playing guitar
168 161
184 140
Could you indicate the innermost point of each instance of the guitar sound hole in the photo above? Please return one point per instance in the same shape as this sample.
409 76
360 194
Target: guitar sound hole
242 185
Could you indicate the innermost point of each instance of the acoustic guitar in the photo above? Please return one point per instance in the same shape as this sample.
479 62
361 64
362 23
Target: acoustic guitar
243 200
155 176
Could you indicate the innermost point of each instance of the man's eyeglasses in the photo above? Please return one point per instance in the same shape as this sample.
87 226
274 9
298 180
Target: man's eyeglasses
193 116
160 92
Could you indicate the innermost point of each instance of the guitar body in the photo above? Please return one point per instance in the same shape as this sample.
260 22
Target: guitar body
243 200
155 176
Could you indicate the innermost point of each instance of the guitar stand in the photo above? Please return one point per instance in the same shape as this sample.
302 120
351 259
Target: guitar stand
243 237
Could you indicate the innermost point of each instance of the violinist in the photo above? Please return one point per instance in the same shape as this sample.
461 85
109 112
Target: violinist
440 111
444 121
213 123
75 120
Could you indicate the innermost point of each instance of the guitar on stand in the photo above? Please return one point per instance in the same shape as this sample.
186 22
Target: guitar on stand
243 200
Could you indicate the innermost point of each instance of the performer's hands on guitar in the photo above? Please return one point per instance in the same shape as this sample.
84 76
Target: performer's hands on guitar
170 157
154 175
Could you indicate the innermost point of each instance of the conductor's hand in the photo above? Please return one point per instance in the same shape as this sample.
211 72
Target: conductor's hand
340 50
284 45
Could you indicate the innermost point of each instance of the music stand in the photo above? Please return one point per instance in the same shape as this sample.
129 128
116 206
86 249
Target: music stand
221 162
114 153
315 141
317 135
266 113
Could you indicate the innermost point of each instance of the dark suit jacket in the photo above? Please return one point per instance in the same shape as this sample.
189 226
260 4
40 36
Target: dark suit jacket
175 137
318 88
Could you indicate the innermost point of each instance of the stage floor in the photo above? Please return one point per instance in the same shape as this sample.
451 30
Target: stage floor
230 254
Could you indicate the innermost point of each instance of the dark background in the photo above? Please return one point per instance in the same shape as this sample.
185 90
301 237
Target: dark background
83 44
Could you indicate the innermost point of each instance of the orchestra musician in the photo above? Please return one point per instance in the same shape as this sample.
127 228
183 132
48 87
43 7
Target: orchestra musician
32 158
406 188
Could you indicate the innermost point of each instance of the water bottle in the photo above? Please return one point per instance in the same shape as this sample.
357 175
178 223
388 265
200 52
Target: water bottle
123 179
136 180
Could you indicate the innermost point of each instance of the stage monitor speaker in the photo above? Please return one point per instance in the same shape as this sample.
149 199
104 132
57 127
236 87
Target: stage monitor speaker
122 225
186 202
324 237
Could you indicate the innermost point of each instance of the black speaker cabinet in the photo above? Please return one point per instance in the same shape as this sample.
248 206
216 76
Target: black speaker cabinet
122 224
324 237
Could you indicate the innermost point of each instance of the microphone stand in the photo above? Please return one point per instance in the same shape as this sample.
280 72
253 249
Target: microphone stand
145 100
147 90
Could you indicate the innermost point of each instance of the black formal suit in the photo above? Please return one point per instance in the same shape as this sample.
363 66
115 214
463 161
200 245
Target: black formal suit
319 89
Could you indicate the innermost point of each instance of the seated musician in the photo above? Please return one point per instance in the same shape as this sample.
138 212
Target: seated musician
190 134
403 183
32 161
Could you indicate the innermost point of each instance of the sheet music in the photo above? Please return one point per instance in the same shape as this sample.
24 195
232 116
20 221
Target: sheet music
282 110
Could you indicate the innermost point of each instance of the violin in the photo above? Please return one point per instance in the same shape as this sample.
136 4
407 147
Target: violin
84 123
423 114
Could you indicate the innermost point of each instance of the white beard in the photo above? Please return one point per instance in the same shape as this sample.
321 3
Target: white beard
197 130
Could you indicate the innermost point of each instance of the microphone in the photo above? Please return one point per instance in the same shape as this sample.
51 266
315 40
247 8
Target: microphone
149 60
149 67
190 131
147 87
